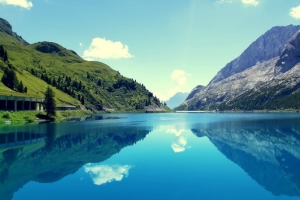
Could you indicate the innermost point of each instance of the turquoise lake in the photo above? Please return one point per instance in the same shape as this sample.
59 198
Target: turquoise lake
154 156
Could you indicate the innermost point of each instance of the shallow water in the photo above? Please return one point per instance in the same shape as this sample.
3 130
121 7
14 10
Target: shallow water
154 156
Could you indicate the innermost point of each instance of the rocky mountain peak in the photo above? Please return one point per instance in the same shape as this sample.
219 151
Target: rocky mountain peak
265 76
290 55
5 27
266 47
196 90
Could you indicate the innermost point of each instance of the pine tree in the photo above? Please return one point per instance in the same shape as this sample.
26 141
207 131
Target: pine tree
9 79
49 102
20 87
82 100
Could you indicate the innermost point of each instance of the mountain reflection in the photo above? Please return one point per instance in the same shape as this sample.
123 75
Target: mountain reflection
269 151
48 152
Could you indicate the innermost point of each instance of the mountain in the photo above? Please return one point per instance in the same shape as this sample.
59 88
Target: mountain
267 46
195 91
268 81
177 99
74 80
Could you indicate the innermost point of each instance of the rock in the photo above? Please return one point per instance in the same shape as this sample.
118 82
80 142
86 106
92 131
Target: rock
196 90
267 46
290 55
239 84
5 27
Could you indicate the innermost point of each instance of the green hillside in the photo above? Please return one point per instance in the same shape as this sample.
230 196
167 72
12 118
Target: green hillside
74 80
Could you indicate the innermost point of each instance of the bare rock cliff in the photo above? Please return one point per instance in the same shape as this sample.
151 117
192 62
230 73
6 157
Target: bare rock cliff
267 46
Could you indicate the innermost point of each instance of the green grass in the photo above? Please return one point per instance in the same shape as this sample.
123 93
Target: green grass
25 117
22 117
62 63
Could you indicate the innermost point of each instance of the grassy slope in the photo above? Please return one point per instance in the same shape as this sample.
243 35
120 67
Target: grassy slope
67 63
20 54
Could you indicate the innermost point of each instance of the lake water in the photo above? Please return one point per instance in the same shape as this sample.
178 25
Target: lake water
154 156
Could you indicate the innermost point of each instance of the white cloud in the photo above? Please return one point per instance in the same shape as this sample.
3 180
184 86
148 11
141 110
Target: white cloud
295 12
180 78
223 1
22 3
80 44
247 2
250 2
106 49
102 174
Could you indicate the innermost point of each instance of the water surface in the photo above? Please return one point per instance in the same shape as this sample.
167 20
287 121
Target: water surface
154 156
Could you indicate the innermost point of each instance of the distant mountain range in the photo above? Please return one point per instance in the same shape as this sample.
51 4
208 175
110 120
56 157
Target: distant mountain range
265 76
177 99
74 80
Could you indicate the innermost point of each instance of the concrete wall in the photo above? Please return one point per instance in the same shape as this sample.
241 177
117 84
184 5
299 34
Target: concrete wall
13 103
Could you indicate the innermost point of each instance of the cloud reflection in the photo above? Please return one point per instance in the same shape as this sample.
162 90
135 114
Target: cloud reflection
102 174
180 144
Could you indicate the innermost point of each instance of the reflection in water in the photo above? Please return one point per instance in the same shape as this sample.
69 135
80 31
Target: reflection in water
57 150
269 151
102 174
180 144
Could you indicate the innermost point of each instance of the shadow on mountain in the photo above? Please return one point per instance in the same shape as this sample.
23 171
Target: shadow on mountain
267 150
46 153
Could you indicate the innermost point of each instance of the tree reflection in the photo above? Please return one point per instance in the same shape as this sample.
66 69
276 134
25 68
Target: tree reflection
67 147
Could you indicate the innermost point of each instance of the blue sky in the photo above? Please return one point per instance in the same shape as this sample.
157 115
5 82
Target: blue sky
168 45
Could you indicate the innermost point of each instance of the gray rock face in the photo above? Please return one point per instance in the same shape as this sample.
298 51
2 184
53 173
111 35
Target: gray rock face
268 46
7 28
290 55
231 87
238 77
196 90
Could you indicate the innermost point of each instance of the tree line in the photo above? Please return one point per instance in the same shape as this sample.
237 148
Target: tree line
9 77
3 54
63 83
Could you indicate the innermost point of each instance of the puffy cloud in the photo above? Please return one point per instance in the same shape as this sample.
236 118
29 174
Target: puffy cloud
102 174
106 49
180 79
250 2
295 12
179 76
22 3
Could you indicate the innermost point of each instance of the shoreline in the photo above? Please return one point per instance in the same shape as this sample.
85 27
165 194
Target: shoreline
8 118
